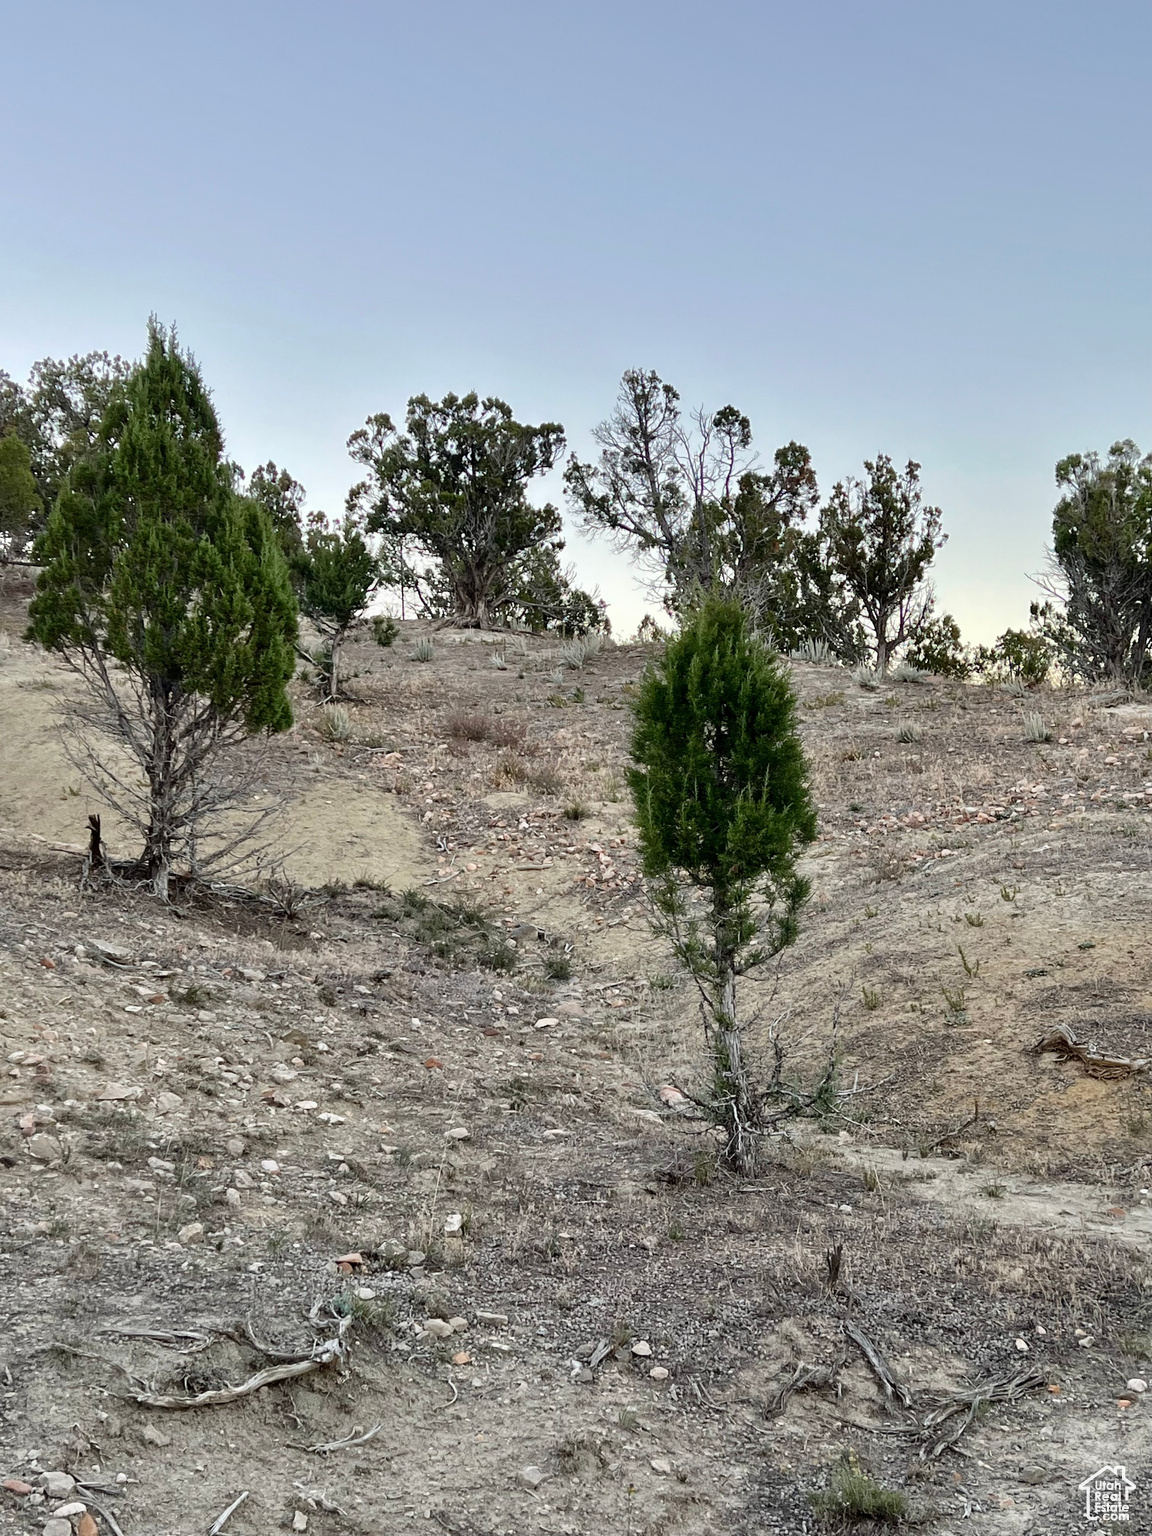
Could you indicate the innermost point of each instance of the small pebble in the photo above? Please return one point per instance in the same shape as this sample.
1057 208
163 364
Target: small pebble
658 1373
531 1477
1137 1385
642 1348
661 1464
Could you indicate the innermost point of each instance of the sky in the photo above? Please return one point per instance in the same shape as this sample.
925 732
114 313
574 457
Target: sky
914 228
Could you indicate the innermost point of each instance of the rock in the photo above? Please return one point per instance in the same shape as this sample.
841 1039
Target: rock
254 976
495 1320
161 1165
299 1520
1137 1385
269 1165
1034 1475
658 1373
415 1258
585 1375
453 1223
458 1324
15 1485
462 1357
662 1465
235 1146
192 1233
243 1180
45 1149
153 1436
365 1293
232 1196
111 951
458 1133
283 1073
391 1249
546 1023
87 1526
58 1485
168 1103
1022 1346
531 1477
56 1527
115 1092
438 1328
569 1010
642 1348
67 1511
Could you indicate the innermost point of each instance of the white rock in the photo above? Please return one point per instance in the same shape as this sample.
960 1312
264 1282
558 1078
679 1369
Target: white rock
283 1073
642 1348
243 1180
1022 1346
58 1485
531 1477
454 1222
45 1149
299 1520
437 1328
493 1319
232 1196
66 1511
1137 1385
269 1165
546 1023
661 1464
366 1293
167 1103
658 1373
192 1233
457 1133
56 1527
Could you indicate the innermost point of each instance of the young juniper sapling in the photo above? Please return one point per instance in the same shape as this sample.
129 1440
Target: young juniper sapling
720 785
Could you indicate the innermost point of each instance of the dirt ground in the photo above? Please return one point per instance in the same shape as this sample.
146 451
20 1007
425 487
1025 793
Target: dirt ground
431 1098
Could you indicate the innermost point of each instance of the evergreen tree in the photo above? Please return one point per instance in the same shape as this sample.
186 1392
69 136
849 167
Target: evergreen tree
1102 559
336 573
881 540
454 488
720 785
19 499
168 594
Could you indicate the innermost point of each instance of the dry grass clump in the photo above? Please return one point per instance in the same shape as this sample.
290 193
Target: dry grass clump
475 725
512 770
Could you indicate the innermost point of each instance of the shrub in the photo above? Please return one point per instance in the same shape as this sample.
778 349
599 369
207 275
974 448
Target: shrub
423 650
852 1496
384 629
335 723
1035 729
909 733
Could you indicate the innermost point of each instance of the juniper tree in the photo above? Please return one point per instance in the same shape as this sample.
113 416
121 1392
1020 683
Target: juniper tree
453 487
19 498
881 540
168 595
1101 573
720 785
336 573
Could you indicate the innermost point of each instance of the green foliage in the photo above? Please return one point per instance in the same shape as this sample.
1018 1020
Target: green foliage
881 540
720 786
336 574
19 498
853 1496
454 489
1102 552
384 630
282 498
937 648
152 562
1021 656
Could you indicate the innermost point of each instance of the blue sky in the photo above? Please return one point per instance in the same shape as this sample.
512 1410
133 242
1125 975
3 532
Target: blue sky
915 228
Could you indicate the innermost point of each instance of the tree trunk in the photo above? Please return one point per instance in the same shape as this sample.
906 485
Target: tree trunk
735 1101
161 772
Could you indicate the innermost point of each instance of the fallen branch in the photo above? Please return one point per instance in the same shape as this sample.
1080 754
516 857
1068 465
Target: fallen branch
957 1130
893 1390
218 1396
968 1404
85 1492
1063 1042
356 1438
221 1520
805 1378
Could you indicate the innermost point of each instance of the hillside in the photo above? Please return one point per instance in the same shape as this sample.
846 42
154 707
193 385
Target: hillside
441 1097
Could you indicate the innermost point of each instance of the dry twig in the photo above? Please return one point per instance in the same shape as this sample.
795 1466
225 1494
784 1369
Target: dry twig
894 1391
1063 1042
